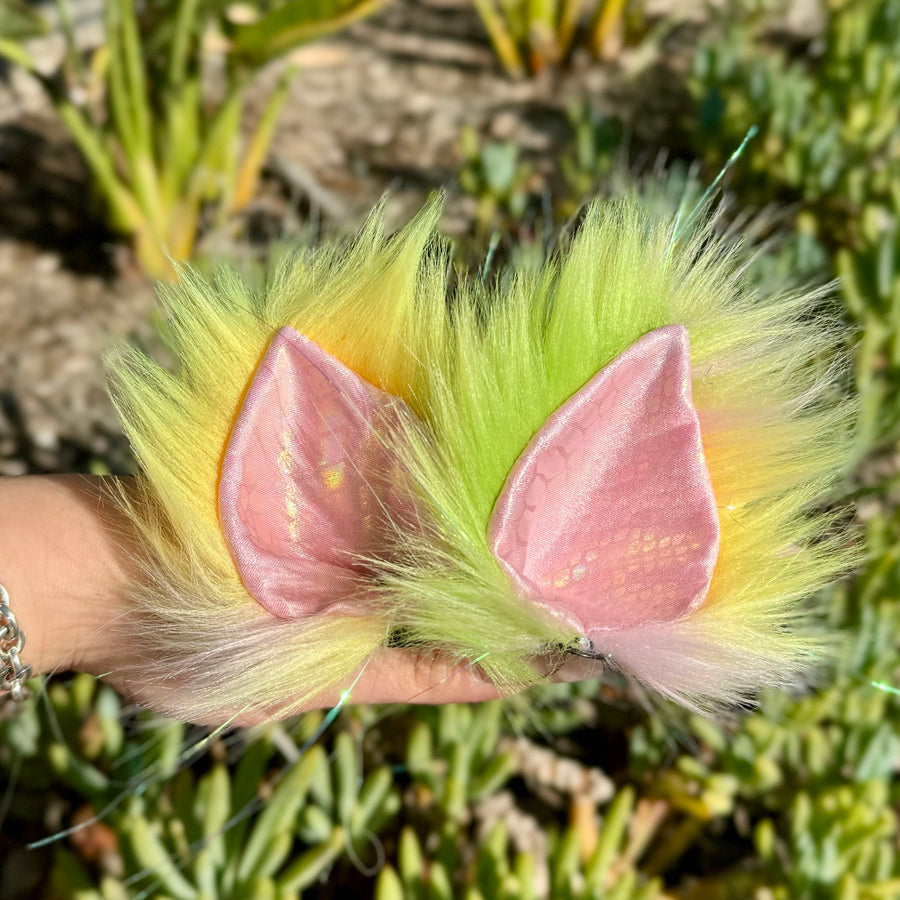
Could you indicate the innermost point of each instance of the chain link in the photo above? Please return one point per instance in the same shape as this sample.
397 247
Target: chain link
13 672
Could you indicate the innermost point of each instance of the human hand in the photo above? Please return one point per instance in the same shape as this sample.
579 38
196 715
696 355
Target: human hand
67 560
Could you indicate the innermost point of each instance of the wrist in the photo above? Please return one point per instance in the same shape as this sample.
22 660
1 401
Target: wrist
63 561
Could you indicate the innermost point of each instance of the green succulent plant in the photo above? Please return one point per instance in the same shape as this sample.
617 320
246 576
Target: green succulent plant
829 142
529 35
161 139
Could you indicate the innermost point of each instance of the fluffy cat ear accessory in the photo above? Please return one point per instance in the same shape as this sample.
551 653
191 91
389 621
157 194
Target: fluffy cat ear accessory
614 455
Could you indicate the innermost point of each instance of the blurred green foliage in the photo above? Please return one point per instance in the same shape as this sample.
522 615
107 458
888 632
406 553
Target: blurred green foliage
529 35
829 142
157 110
513 200
589 159
494 173
19 21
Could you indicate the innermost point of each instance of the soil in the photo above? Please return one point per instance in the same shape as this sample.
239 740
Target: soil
378 109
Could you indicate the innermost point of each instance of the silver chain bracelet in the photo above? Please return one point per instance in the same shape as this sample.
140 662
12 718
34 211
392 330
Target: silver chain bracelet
13 672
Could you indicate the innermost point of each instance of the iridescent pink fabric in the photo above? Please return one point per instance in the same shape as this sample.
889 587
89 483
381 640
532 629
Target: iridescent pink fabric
298 497
608 517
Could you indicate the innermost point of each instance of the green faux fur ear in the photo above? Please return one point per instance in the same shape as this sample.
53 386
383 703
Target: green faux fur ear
476 378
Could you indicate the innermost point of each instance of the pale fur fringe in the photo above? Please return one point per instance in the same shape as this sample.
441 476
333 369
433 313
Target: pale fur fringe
483 373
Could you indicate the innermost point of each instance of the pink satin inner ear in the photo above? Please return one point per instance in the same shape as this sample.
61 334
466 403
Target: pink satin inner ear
608 517
298 500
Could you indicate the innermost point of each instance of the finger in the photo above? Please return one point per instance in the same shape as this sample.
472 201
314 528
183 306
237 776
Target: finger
401 676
